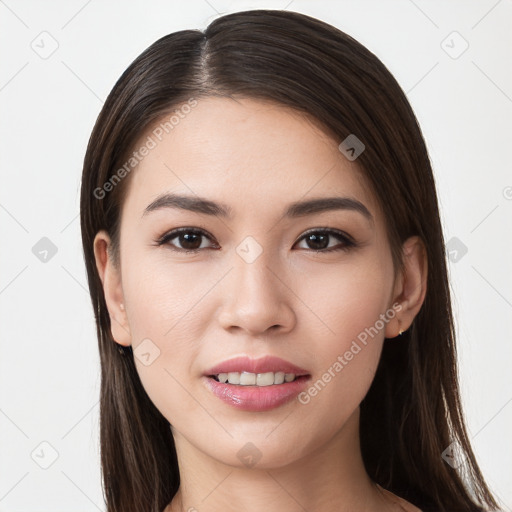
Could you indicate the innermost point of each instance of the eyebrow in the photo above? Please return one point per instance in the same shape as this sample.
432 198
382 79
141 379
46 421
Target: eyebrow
294 210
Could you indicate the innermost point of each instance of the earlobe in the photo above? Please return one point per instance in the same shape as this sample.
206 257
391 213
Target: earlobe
410 287
110 277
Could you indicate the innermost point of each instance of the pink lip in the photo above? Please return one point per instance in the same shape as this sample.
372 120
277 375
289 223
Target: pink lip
261 365
256 398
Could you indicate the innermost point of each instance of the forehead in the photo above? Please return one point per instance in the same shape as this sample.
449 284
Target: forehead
247 153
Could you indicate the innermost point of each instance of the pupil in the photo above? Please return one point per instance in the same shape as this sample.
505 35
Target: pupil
187 239
316 238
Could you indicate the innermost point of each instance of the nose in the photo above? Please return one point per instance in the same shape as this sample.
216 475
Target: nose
257 298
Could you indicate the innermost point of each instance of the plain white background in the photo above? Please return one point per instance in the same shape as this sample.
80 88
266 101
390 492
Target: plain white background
60 60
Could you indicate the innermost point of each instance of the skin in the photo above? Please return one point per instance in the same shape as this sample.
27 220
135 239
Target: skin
201 309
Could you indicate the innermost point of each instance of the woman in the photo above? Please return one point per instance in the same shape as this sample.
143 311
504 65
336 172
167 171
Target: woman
267 269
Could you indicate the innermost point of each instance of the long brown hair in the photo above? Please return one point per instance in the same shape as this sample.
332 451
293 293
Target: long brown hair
412 412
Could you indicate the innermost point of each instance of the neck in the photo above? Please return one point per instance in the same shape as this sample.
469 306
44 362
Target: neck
332 477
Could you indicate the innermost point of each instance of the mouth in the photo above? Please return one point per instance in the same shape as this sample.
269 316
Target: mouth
243 392
256 384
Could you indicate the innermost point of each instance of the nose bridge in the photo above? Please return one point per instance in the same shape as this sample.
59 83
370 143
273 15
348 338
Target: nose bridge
255 270
256 297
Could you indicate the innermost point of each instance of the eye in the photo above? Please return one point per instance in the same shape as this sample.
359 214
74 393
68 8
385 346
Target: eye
320 240
190 240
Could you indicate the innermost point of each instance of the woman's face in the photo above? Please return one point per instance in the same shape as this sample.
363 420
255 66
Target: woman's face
258 284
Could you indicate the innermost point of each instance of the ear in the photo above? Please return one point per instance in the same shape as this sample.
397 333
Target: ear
410 286
110 277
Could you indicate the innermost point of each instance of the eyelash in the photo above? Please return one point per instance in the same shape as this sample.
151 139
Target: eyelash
347 241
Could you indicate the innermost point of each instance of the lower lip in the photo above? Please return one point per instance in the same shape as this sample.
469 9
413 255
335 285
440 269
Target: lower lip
257 398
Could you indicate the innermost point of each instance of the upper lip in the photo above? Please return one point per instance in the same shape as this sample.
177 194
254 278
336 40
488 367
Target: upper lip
261 365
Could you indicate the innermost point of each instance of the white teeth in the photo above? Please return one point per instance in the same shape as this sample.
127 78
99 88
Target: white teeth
233 378
222 377
265 379
255 379
247 379
279 377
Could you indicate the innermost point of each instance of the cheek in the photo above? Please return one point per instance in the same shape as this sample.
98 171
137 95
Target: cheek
166 318
162 297
346 298
351 310
162 311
